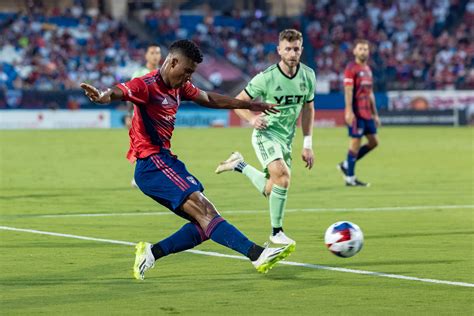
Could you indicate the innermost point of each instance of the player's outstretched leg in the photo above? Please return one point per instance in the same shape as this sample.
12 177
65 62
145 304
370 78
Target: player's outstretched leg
220 231
236 163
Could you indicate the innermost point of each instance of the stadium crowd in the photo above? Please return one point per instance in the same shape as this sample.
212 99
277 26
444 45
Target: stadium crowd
423 44
50 49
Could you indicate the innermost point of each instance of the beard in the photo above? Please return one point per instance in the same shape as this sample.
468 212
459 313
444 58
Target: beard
291 63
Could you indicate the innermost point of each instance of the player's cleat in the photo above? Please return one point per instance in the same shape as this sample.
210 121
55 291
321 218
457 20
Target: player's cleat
343 169
134 184
281 239
230 164
356 183
144 260
270 256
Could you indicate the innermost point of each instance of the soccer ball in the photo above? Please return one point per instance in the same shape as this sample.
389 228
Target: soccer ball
344 239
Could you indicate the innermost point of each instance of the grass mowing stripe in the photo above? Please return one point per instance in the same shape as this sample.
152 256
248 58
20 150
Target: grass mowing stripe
310 210
216 254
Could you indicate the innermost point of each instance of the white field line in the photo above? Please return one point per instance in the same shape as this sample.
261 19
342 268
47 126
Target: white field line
216 254
308 210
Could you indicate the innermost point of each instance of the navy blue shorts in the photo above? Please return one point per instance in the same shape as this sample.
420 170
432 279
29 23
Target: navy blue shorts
361 127
164 178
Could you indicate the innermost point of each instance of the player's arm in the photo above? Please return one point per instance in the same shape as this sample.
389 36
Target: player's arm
307 121
258 121
255 88
219 101
102 97
348 95
373 106
348 111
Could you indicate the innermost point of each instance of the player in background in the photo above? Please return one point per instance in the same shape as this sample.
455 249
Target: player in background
291 85
161 175
152 58
360 112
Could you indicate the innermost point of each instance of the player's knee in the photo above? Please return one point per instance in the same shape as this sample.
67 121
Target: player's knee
373 143
282 179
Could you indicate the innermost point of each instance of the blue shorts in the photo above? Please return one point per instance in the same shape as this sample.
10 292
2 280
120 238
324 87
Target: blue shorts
164 178
361 127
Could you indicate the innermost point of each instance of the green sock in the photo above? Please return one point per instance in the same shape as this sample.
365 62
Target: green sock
277 203
256 177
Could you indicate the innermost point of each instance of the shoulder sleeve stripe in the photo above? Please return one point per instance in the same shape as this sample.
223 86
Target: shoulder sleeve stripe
251 97
348 80
309 101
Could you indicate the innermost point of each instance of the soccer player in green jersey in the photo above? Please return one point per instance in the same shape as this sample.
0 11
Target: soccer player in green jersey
153 58
290 84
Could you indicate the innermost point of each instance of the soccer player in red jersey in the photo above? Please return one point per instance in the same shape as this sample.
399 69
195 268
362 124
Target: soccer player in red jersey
161 175
360 111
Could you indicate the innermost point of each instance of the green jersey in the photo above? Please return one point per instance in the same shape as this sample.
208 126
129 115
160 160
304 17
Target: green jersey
140 72
290 94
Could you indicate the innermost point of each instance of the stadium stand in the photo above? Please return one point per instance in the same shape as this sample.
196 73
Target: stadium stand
51 49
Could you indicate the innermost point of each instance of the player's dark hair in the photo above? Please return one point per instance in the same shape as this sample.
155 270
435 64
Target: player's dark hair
187 48
290 35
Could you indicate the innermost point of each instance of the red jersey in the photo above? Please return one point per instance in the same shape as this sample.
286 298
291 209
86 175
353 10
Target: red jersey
360 77
154 112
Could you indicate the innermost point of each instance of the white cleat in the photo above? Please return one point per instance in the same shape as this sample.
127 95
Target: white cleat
230 164
144 260
134 184
270 256
281 239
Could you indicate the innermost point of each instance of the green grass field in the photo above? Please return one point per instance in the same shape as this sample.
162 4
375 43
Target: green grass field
68 172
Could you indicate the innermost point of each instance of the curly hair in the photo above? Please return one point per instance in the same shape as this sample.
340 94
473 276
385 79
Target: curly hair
187 48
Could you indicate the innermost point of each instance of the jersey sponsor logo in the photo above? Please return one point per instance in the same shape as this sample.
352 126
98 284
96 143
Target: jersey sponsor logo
289 99
165 101
278 88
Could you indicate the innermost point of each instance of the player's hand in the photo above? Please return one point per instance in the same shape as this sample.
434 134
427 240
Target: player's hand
308 156
349 117
259 122
266 108
95 95
378 123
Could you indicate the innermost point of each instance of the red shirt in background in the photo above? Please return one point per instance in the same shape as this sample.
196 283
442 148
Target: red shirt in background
360 77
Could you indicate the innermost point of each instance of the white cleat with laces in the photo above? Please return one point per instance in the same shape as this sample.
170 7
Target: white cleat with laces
281 239
230 164
270 256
